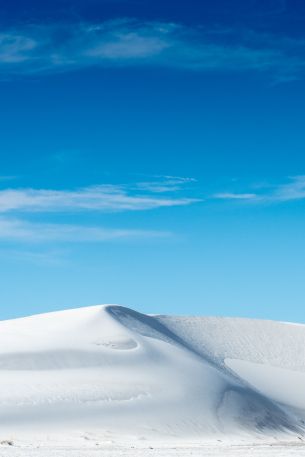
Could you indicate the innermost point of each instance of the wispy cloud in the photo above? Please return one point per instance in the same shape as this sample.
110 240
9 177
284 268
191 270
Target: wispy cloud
165 184
233 196
96 198
45 256
160 192
64 47
293 189
16 48
20 230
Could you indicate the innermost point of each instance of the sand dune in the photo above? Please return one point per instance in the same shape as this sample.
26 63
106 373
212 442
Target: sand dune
115 371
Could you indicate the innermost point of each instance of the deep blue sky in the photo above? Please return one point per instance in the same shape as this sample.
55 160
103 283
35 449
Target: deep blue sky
152 154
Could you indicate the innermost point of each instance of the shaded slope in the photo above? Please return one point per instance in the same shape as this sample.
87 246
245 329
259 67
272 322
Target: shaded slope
268 355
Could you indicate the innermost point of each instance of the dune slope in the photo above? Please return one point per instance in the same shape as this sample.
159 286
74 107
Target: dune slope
113 369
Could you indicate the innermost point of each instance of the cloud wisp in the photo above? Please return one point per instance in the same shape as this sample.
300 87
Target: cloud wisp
165 184
234 196
292 190
162 192
24 231
35 49
104 198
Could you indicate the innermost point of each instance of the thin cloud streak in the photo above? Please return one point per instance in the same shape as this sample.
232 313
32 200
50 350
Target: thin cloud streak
124 42
24 231
233 196
165 184
294 190
281 193
104 198
49 257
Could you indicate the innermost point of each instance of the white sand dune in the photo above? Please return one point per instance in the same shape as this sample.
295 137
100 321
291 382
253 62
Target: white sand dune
111 370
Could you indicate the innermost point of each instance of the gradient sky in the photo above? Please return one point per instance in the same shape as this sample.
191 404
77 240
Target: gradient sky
152 154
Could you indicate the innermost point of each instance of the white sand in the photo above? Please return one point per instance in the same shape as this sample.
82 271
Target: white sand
108 378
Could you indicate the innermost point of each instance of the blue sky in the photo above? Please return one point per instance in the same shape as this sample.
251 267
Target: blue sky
152 155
